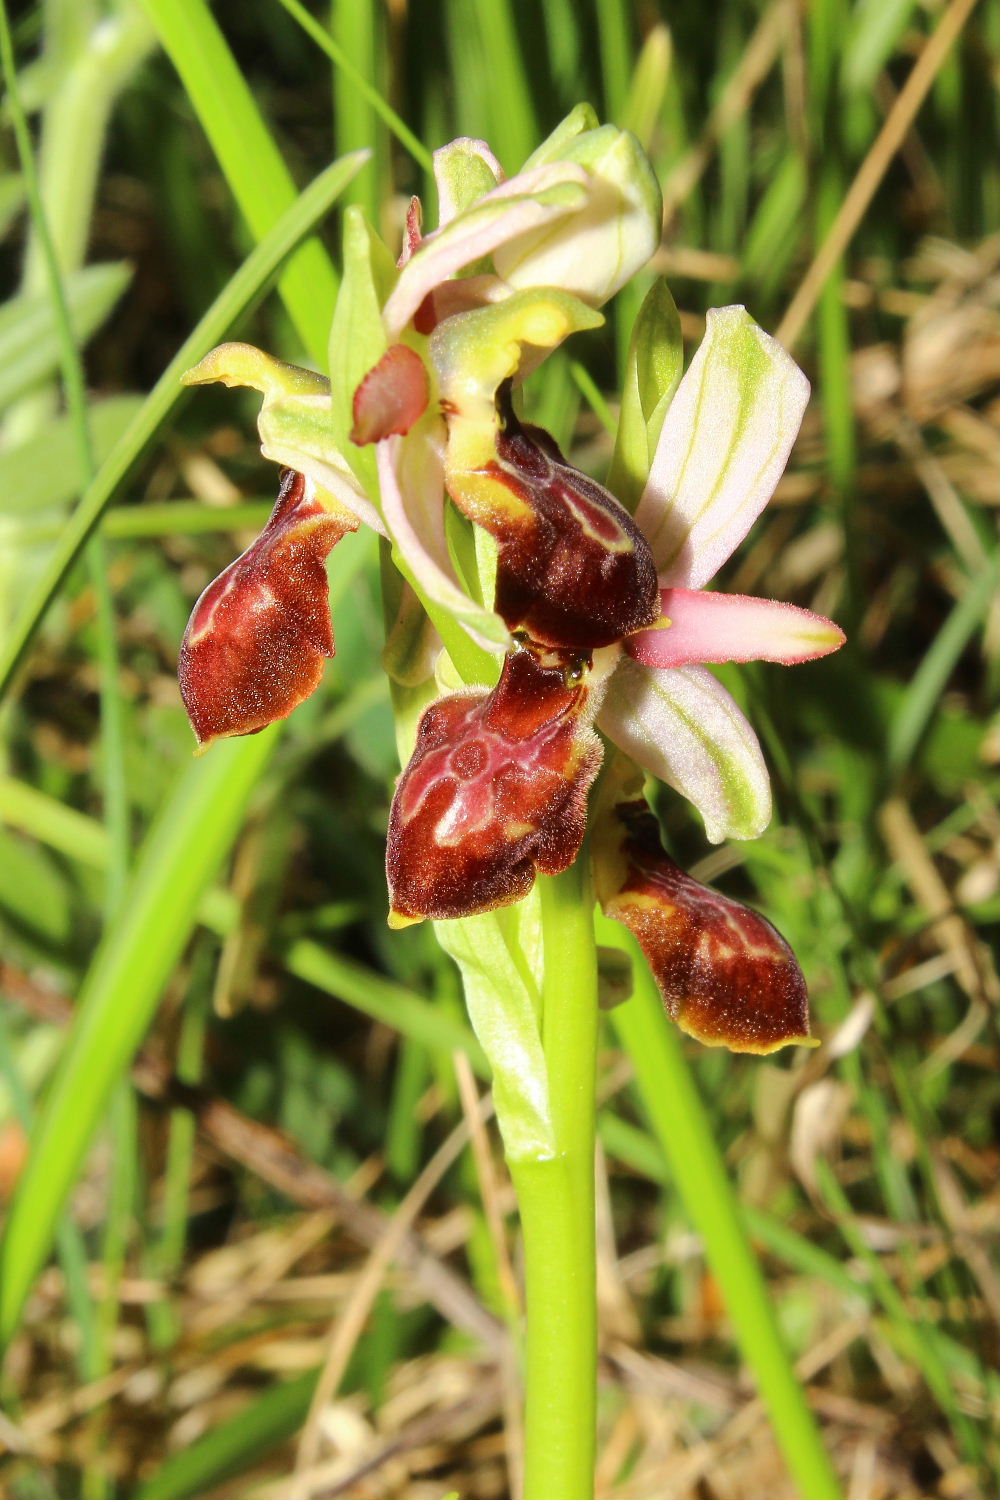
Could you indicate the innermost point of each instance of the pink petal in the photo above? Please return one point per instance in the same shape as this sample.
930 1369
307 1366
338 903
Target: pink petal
498 217
392 396
700 627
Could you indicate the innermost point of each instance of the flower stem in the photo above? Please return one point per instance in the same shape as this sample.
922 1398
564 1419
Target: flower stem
556 1199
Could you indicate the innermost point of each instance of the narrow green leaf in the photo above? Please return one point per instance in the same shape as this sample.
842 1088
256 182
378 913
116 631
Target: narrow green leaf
11 199
83 839
923 692
775 231
357 337
484 36
382 999
648 87
44 471
29 343
35 896
248 156
365 88
237 297
615 43
503 1006
231 1447
179 858
875 29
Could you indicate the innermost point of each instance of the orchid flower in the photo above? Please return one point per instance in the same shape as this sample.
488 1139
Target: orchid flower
599 617
588 188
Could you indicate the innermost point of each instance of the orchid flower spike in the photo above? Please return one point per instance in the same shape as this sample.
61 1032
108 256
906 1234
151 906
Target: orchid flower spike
591 603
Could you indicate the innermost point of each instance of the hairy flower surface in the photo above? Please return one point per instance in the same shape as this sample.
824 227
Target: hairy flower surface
574 572
496 790
594 611
727 977
257 639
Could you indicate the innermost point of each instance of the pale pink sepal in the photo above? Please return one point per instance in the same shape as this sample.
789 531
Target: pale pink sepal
722 448
682 726
502 215
701 627
411 477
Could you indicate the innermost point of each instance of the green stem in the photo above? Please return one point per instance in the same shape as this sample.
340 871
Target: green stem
680 1122
556 1200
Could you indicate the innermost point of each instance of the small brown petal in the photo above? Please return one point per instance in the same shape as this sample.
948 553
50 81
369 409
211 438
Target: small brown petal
574 571
727 977
392 396
413 232
495 790
257 638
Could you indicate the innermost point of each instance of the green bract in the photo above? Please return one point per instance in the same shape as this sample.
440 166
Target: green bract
652 372
499 955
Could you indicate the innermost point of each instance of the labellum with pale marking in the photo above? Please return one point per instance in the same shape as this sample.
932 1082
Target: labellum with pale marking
257 638
495 790
726 975
574 571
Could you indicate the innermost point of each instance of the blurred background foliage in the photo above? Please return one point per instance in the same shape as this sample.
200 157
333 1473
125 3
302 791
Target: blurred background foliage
216 1206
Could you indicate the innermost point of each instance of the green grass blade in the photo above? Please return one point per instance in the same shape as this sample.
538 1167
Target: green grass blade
180 857
616 55
419 1019
44 818
928 682
357 30
231 1447
368 92
112 735
184 518
93 65
252 164
70 1247
922 1351
249 283
682 1126
43 473
29 341
382 999
493 92
835 391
